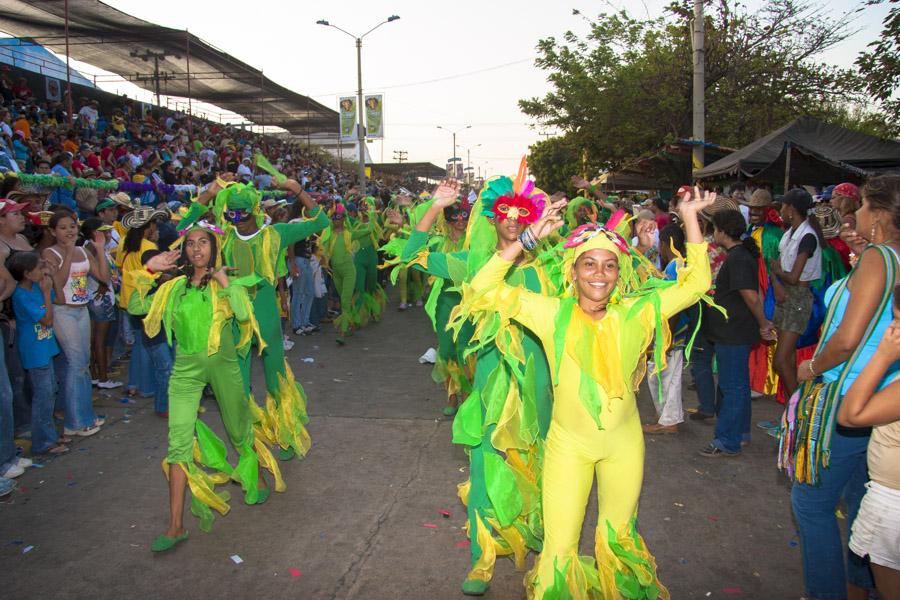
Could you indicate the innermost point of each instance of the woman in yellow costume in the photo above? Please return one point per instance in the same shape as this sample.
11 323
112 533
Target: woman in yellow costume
596 339
212 320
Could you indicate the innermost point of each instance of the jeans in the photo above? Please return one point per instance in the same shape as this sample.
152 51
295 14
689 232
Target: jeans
140 371
21 404
302 294
7 442
72 326
814 506
161 358
733 415
319 308
702 372
43 431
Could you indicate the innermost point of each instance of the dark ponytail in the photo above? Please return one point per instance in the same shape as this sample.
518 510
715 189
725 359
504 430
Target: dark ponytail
731 223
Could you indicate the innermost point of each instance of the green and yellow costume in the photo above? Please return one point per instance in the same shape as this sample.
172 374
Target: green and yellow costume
505 419
214 328
369 292
261 257
595 429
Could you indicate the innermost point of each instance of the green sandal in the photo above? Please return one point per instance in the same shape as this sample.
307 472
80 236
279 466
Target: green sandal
475 587
449 411
164 543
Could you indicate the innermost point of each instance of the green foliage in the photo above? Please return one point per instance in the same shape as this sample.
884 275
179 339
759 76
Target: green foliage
625 87
552 162
880 66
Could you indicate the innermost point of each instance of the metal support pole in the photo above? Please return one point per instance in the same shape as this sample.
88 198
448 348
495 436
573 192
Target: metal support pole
69 108
156 79
699 86
787 167
262 100
360 136
454 155
187 39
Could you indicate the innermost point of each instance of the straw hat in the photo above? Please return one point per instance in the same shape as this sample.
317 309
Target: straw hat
829 220
719 204
759 199
142 215
122 199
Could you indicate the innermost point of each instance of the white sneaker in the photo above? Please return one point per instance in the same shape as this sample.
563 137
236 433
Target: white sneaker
86 432
95 381
24 462
13 472
418 303
109 384
403 306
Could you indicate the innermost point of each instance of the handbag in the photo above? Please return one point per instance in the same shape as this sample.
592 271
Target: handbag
808 422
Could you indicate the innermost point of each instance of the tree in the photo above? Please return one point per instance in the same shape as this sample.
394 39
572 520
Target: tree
880 67
553 162
625 88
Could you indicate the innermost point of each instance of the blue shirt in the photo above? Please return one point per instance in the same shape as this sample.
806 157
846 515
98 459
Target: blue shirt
36 342
62 195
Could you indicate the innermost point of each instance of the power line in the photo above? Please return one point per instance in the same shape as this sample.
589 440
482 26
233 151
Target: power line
436 80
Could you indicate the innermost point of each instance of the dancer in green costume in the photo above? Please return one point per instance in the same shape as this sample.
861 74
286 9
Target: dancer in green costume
212 319
504 421
254 248
337 243
451 369
367 232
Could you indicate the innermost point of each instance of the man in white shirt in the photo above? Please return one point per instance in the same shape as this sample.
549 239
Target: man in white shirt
89 115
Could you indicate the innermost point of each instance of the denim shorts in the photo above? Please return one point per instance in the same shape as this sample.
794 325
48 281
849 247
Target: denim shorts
102 309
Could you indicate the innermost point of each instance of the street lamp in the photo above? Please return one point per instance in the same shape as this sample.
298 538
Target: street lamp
454 132
360 137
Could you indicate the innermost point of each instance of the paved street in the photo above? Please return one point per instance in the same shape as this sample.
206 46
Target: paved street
351 523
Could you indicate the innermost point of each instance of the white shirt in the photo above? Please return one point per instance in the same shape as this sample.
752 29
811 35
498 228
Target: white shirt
89 114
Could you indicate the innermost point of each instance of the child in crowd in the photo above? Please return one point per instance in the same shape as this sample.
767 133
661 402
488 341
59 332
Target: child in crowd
32 303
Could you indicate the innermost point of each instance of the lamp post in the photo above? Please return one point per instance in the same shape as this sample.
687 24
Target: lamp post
453 132
360 136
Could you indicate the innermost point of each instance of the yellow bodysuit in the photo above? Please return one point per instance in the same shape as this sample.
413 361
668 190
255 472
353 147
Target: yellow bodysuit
595 429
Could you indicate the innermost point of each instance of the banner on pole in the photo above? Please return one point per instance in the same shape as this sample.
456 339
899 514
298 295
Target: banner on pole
53 89
374 116
348 118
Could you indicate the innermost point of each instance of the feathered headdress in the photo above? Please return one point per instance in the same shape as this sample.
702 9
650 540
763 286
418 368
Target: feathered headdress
504 198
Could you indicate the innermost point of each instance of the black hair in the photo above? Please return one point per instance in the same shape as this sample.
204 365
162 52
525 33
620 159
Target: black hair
133 238
674 233
188 269
88 228
731 223
20 263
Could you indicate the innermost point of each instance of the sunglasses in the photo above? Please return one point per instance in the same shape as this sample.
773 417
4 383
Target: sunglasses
237 215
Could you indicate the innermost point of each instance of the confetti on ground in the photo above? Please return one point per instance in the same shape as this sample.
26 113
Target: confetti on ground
294 572
839 514
72 483
679 505
792 544
463 544
126 401
713 519
338 380
309 359
27 549
682 561
236 559
445 513
17 542
732 590
429 526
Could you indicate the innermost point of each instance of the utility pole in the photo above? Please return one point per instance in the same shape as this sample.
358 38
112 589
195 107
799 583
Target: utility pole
400 155
697 159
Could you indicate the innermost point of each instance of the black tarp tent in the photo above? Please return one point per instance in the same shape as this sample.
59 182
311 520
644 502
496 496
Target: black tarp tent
112 40
820 153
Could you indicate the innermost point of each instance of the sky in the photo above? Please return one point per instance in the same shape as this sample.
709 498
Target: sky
451 64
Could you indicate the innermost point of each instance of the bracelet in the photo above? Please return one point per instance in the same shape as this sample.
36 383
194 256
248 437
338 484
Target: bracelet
527 239
812 365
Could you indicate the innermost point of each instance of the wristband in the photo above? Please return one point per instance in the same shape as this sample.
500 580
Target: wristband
527 239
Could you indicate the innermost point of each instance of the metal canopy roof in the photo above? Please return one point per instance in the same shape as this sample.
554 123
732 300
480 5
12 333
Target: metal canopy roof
103 36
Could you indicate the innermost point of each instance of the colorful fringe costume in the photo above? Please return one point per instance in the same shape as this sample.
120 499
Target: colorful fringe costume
595 430
261 257
763 378
505 419
369 292
214 328
338 244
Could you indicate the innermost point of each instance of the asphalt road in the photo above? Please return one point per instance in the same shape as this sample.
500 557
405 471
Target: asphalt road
352 523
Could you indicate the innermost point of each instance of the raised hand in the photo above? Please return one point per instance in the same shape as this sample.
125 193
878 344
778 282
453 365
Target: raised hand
551 220
393 217
693 203
446 193
221 275
165 261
